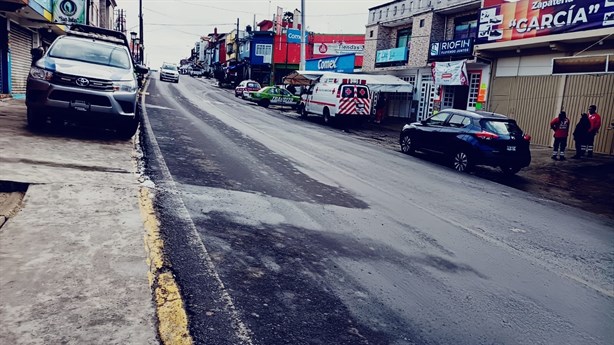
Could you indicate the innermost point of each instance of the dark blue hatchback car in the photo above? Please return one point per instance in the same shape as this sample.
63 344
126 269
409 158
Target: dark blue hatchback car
469 138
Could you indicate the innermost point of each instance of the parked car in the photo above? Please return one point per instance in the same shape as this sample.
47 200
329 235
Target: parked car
169 72
245 87
470 138
86 75
273 95
197 72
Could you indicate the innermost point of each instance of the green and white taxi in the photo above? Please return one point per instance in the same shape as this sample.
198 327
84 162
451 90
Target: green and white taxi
274 95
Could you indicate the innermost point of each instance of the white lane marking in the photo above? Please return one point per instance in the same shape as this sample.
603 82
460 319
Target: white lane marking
242 331
158 107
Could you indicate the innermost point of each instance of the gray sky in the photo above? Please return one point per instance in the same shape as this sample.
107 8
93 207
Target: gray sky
173 26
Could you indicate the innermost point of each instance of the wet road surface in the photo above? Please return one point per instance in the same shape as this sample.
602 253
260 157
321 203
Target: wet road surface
283 231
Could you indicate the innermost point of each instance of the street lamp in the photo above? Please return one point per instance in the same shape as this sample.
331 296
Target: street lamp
132 39
136 46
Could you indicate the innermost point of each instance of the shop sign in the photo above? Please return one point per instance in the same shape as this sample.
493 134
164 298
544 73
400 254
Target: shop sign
392 55
46 4
341 64
294 36
450 73
69 11
501 20
338 48
462 47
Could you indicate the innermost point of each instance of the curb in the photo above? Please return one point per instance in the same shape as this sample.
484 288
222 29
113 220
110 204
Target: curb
172 319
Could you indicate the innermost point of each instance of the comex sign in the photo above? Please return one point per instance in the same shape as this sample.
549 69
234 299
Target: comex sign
294 36
341 63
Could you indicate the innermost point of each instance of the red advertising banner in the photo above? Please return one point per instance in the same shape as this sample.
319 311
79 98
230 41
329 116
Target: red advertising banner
506 20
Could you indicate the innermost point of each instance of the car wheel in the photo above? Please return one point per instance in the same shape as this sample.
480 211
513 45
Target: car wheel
510 170
264 103
407 144
35 119
236 95
461 161
327 119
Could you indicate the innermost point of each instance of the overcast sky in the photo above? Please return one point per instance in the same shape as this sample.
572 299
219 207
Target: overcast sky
173 26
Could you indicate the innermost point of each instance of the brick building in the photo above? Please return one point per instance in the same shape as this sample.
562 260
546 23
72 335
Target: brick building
401 37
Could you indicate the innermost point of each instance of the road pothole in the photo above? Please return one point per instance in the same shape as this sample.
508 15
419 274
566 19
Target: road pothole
11 197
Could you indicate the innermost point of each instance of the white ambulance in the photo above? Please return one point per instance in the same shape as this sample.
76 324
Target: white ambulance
336 97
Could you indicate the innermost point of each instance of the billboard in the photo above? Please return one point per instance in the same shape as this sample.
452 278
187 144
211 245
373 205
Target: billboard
504 20
294 36
69 11
338 48
341 64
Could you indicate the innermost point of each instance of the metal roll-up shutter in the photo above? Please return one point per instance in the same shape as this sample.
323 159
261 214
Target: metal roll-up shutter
21 45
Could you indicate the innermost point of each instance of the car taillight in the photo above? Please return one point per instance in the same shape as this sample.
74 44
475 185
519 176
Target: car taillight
486 135
527 137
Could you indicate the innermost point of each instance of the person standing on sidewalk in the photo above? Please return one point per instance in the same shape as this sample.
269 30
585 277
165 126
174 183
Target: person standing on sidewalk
595 120
580 135
560 126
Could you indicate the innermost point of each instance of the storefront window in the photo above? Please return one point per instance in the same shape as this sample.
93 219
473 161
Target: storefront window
465 29
403 38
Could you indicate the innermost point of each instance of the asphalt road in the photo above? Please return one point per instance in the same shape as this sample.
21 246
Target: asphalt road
284 231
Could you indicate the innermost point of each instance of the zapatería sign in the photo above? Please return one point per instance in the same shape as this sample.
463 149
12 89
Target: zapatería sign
69 11
501 20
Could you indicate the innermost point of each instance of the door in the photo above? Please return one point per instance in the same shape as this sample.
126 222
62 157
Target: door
428 133
21 60
427 93
447 140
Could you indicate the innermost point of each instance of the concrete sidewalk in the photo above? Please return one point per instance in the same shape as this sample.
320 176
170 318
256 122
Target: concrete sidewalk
72 259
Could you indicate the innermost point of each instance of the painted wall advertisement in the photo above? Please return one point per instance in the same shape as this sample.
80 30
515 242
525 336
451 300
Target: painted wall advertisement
69 11
501 20
450 73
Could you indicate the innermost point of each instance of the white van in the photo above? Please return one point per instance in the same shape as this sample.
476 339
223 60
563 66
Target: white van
337 96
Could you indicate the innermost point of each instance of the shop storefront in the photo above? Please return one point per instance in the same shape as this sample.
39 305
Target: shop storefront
461 82
539 70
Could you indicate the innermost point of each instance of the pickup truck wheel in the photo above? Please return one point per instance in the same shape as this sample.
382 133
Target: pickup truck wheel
264 103
35 119
127 128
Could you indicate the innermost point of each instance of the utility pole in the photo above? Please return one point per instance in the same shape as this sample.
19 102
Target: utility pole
142 46
303 43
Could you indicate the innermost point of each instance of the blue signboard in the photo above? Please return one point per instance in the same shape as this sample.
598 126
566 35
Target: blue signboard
392 55
294 36
340 63
462 47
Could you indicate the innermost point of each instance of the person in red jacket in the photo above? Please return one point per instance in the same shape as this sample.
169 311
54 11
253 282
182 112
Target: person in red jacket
560 126
595 120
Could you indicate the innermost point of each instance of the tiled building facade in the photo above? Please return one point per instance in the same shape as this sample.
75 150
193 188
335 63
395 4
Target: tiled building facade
398 39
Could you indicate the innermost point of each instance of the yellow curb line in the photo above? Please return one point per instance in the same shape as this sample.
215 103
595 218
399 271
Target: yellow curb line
172 318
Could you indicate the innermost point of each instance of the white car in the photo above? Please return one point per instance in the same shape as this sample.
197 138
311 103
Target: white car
169 72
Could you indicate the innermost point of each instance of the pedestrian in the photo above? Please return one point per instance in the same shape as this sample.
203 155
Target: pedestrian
595 121
380 107
560 126
580 135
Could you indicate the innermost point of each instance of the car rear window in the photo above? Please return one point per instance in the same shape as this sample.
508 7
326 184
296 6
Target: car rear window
347 91
362 92
501 127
